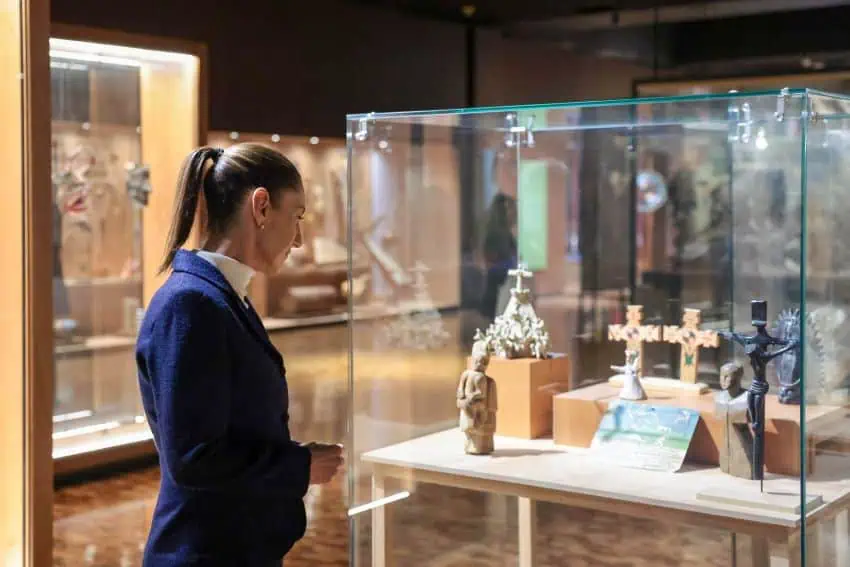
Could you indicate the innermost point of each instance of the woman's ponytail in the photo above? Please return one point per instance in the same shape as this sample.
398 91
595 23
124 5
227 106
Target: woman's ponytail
193 175
225 178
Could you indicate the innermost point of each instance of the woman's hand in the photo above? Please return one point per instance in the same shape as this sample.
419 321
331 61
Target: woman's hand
325 462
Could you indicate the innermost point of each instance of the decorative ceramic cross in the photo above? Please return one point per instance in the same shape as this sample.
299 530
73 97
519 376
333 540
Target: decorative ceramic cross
635 334
520 273
691 339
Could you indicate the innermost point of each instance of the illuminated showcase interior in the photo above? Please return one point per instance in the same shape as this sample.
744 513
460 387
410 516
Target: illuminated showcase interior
123 118
692 211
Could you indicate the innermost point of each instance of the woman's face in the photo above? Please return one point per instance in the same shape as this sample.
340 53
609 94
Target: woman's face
280 228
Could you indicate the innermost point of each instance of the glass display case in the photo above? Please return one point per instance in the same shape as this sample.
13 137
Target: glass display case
645 360
125 112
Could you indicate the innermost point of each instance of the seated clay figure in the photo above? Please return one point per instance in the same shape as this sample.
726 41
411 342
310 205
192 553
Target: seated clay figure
476 400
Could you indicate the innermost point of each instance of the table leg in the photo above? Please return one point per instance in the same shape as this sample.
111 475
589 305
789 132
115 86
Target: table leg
791 555
794 551
527 530
381 526
814 541
842 538
760 551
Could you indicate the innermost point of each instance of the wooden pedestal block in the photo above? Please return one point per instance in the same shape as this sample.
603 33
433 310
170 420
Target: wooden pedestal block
525 387
577 415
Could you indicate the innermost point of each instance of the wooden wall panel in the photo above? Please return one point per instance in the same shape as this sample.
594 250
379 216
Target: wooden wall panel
437 218
11 289
38 303
170 118
25 305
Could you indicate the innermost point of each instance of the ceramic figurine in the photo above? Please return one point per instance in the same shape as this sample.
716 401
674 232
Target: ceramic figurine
518 332
632 388
420 325
477 402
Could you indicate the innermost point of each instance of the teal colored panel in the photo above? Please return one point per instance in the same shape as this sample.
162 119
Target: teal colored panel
533 208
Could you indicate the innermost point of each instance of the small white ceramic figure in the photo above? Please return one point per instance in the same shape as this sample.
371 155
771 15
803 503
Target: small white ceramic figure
632 388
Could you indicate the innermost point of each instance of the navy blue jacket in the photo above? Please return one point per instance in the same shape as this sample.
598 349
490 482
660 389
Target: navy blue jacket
215 394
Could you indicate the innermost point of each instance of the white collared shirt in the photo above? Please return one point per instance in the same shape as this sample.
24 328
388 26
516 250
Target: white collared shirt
237 274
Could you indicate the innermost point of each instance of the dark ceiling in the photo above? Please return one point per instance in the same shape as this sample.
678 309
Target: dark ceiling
716 36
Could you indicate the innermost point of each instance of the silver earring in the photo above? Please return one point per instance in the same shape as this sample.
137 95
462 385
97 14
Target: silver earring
262 227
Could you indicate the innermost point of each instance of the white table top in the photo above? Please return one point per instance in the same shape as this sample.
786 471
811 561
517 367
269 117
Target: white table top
543 465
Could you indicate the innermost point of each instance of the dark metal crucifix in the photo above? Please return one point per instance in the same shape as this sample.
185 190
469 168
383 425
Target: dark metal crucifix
757 347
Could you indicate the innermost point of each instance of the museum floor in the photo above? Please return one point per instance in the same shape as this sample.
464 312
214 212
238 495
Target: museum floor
104 523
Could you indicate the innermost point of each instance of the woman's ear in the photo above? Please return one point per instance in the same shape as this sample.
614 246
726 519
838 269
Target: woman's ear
260 205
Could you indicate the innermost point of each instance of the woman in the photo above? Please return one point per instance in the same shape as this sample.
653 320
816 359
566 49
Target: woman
213 385
500 250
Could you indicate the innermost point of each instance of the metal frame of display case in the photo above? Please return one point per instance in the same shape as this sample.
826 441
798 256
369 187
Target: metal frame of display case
191 115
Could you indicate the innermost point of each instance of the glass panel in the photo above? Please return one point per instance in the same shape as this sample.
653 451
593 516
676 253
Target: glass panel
103 183
643 229
12 418
826 357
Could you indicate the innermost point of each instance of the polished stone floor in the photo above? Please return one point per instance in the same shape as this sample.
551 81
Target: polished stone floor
398 392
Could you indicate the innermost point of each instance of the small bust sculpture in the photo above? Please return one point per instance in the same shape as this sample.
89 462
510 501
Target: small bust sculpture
476 400
731 401
731 374
632 388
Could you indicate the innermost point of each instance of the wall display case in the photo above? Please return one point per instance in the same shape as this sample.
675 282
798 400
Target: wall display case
673 392
125 112
313 286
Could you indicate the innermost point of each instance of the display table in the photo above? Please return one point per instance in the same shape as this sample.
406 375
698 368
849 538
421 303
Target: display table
539 470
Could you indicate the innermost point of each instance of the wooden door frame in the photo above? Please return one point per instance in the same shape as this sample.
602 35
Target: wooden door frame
38 285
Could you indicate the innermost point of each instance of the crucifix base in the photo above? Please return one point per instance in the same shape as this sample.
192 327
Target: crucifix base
779 499
664 385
